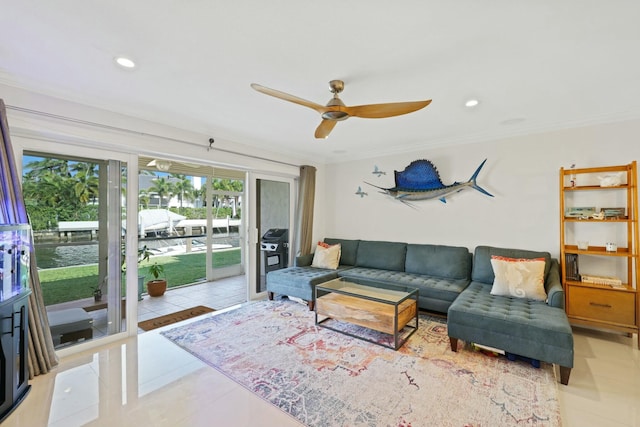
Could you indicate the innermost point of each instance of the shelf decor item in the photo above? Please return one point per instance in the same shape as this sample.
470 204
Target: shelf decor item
571 267
611 180
583 245
605 301
602 280
580 212
613 213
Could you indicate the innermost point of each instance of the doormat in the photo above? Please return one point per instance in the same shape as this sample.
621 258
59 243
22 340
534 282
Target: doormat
178 316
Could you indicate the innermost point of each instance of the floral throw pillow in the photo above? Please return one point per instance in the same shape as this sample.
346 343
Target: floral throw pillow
327 256
518 277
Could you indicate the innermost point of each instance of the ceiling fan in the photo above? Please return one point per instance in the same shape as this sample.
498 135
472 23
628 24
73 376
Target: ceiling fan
336 110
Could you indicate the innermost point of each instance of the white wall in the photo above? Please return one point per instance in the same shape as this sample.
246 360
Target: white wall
521 172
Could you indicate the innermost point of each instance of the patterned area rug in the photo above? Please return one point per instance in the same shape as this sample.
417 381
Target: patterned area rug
325 378
176 317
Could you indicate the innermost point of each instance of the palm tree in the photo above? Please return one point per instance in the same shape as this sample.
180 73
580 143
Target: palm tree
47 166
143 198
229 186
183 187
59 189
198 195
162 187
86 186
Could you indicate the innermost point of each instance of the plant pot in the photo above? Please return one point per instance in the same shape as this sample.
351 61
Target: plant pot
156 288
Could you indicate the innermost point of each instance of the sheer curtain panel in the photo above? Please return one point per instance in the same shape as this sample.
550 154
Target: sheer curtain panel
306 196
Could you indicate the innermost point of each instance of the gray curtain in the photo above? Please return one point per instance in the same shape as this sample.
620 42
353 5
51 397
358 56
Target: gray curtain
42 356
306 196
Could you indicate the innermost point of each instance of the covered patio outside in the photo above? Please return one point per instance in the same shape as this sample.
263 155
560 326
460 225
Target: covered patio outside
218 294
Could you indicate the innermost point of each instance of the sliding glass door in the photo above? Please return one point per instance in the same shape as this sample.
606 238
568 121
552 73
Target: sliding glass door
77 210
271 228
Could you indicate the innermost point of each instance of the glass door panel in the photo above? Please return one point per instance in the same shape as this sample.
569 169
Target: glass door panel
272 225
76 207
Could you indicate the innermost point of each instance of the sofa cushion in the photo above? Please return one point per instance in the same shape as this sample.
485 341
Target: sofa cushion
326 256
483 271
437 260
439 288
519 277
303 260
300 276
349 249
299 282
382 255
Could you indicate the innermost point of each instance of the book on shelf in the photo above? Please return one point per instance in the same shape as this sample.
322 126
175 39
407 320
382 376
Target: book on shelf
614 282
571 262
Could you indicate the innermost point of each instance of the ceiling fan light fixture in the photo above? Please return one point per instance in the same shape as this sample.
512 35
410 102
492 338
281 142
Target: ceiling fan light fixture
163 165
335 115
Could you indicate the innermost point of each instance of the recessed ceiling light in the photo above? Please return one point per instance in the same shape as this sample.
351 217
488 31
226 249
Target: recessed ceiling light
125 62
471 103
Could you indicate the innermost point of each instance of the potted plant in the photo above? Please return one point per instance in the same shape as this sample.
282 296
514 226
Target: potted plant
143 255
156 286
97 292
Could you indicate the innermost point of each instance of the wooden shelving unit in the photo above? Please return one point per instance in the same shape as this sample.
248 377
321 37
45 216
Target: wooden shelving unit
615 308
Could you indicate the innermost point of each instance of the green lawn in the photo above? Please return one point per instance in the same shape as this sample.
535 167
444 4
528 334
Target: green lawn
72 283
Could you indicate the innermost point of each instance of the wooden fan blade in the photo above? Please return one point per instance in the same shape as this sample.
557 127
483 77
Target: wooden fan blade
379 111
282 95
325 128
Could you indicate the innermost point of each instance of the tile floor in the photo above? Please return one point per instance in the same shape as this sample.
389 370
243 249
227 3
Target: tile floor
218 294
148 381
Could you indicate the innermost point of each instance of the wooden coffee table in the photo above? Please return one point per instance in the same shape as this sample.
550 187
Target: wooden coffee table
384 308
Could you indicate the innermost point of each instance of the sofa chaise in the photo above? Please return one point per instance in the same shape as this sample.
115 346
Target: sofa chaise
538 330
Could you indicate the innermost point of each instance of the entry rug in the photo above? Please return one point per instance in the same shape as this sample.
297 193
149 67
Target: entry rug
176 317
325 378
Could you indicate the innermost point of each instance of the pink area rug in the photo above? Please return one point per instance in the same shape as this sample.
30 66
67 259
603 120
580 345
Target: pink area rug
324 378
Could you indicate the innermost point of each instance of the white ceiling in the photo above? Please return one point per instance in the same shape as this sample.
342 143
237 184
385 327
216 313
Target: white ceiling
534 65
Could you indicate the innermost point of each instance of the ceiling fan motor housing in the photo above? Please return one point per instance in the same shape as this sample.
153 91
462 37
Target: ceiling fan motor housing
336 114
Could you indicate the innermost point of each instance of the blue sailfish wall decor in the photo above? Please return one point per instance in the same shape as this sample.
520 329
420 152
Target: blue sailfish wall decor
421 181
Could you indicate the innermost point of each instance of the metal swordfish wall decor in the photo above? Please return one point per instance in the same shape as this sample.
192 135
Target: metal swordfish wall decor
421 181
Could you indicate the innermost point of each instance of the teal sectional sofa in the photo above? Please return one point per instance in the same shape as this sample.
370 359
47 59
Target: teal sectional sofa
451 280
439 272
